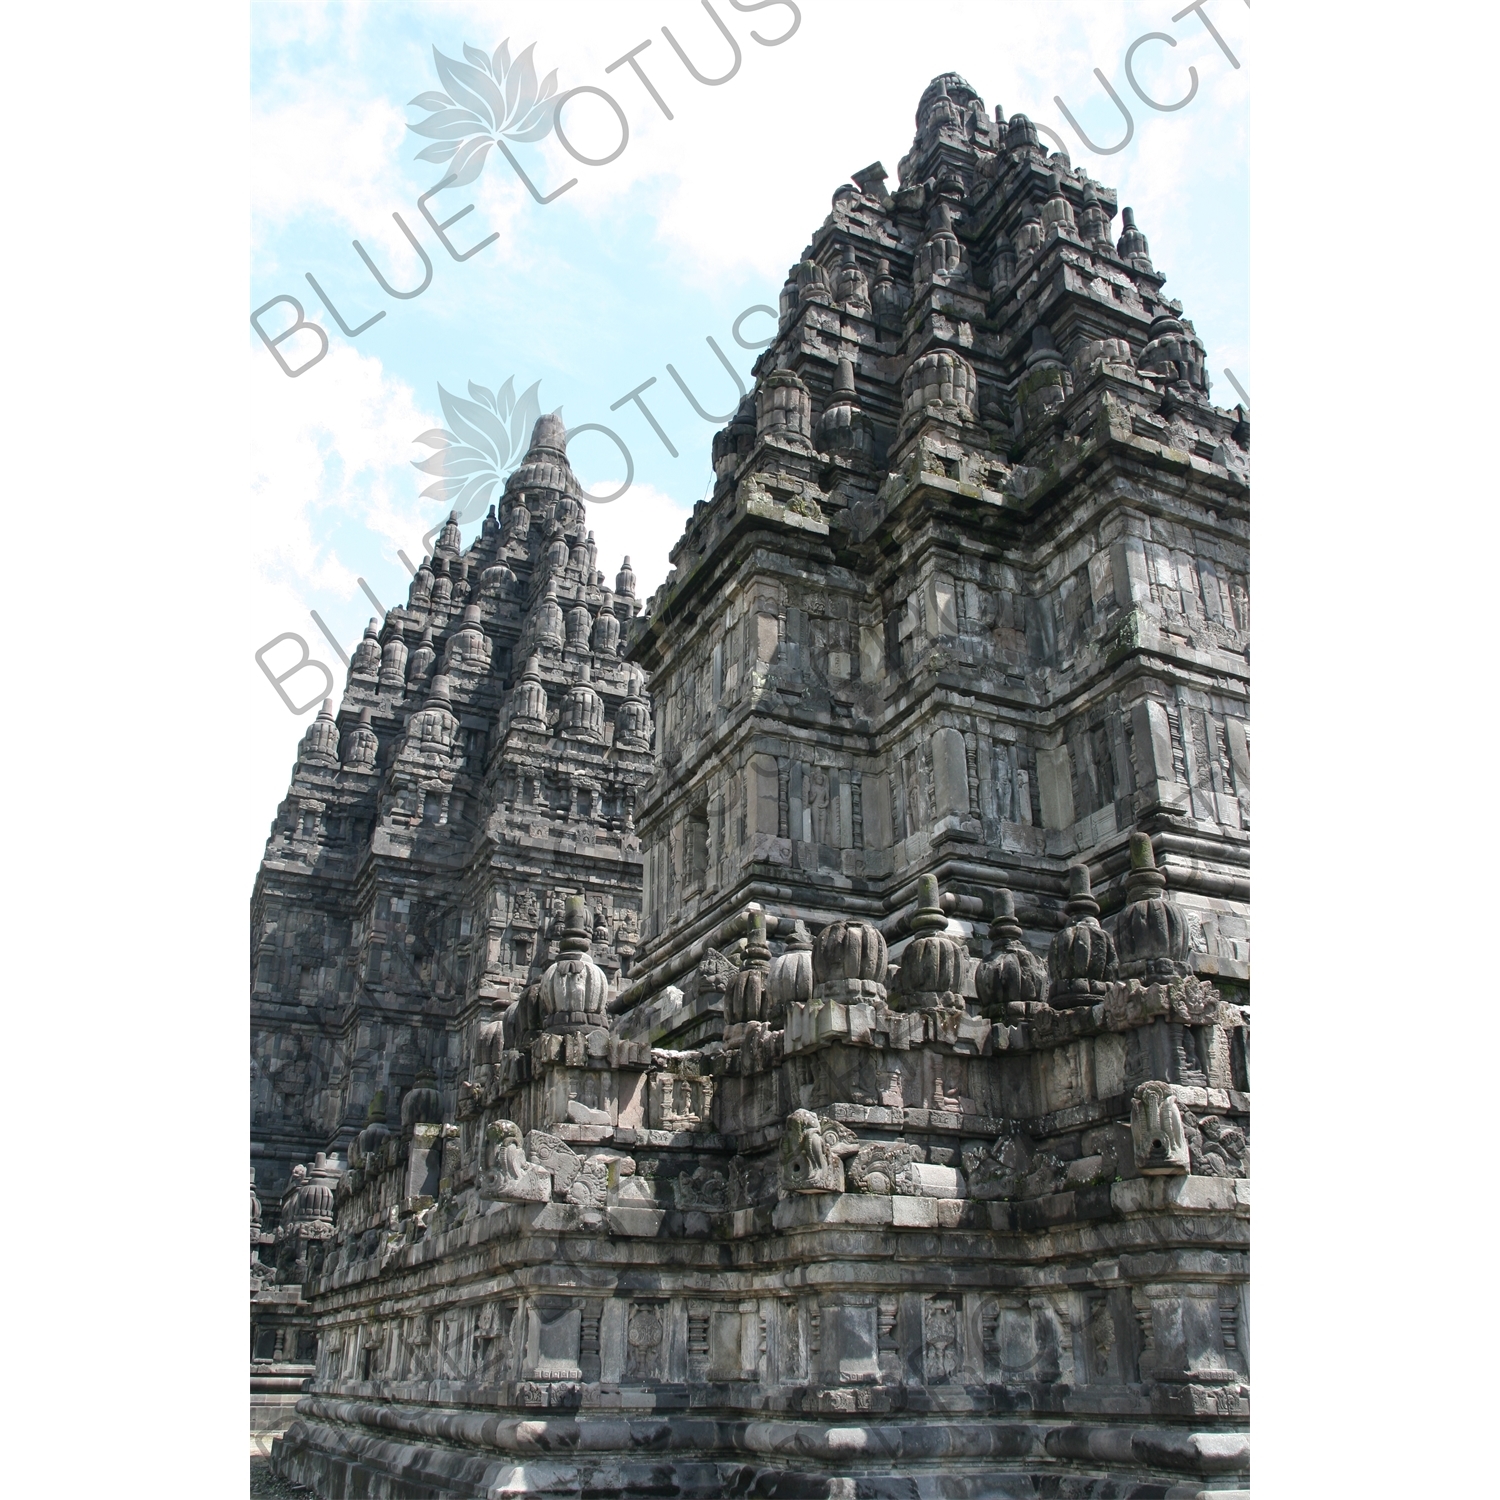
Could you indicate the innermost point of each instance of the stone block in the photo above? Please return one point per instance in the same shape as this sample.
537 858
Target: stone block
924 1180
1055 783
914 1213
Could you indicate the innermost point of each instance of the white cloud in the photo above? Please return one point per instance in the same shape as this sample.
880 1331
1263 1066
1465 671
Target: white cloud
333 455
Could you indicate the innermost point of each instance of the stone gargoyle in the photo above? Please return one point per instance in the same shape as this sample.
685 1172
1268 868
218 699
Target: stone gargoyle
813 1149
1156 1130
507 1176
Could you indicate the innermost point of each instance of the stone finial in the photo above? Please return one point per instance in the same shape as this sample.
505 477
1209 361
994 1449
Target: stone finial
849 962
393 660
366 659
320 745
422 658
1151 935
747 995
361 746
941 377
573 991
579 624
1173 353
1012 979
450 538
1081 892
439 695
530 704
783 407
1043 347
1082 960
1057 210
583 709
849 285
422 1104
1133 246
633 725
792 970
1093 223
549 438
843 427
625 580
547 619
1022 135
606 638
932 964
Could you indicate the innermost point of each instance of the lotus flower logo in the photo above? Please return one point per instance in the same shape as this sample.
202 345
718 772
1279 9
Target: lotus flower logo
489 436
487 97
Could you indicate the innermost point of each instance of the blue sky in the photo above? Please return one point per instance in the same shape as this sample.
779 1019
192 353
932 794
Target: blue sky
645 257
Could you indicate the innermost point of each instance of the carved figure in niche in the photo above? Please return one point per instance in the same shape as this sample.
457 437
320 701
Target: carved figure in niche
715 970
812 1152
590 1188
943 1101
940 1332
752 1183
1216 1147
555 1157
1006 1170
1002 785
916 797
643 1342
507 1175
704 1189
585 1110
491 1342
891 1092
877 1166
817 801
1156 1130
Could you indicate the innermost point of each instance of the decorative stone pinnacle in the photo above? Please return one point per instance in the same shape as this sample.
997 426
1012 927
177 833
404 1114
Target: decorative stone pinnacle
1080 893
578 931
1144 880
929 915
757 949
549 435
1004 928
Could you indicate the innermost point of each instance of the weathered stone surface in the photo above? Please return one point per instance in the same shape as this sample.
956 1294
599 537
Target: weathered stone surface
699 1139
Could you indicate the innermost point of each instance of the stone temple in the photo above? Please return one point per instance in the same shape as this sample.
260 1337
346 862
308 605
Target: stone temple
792 1039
